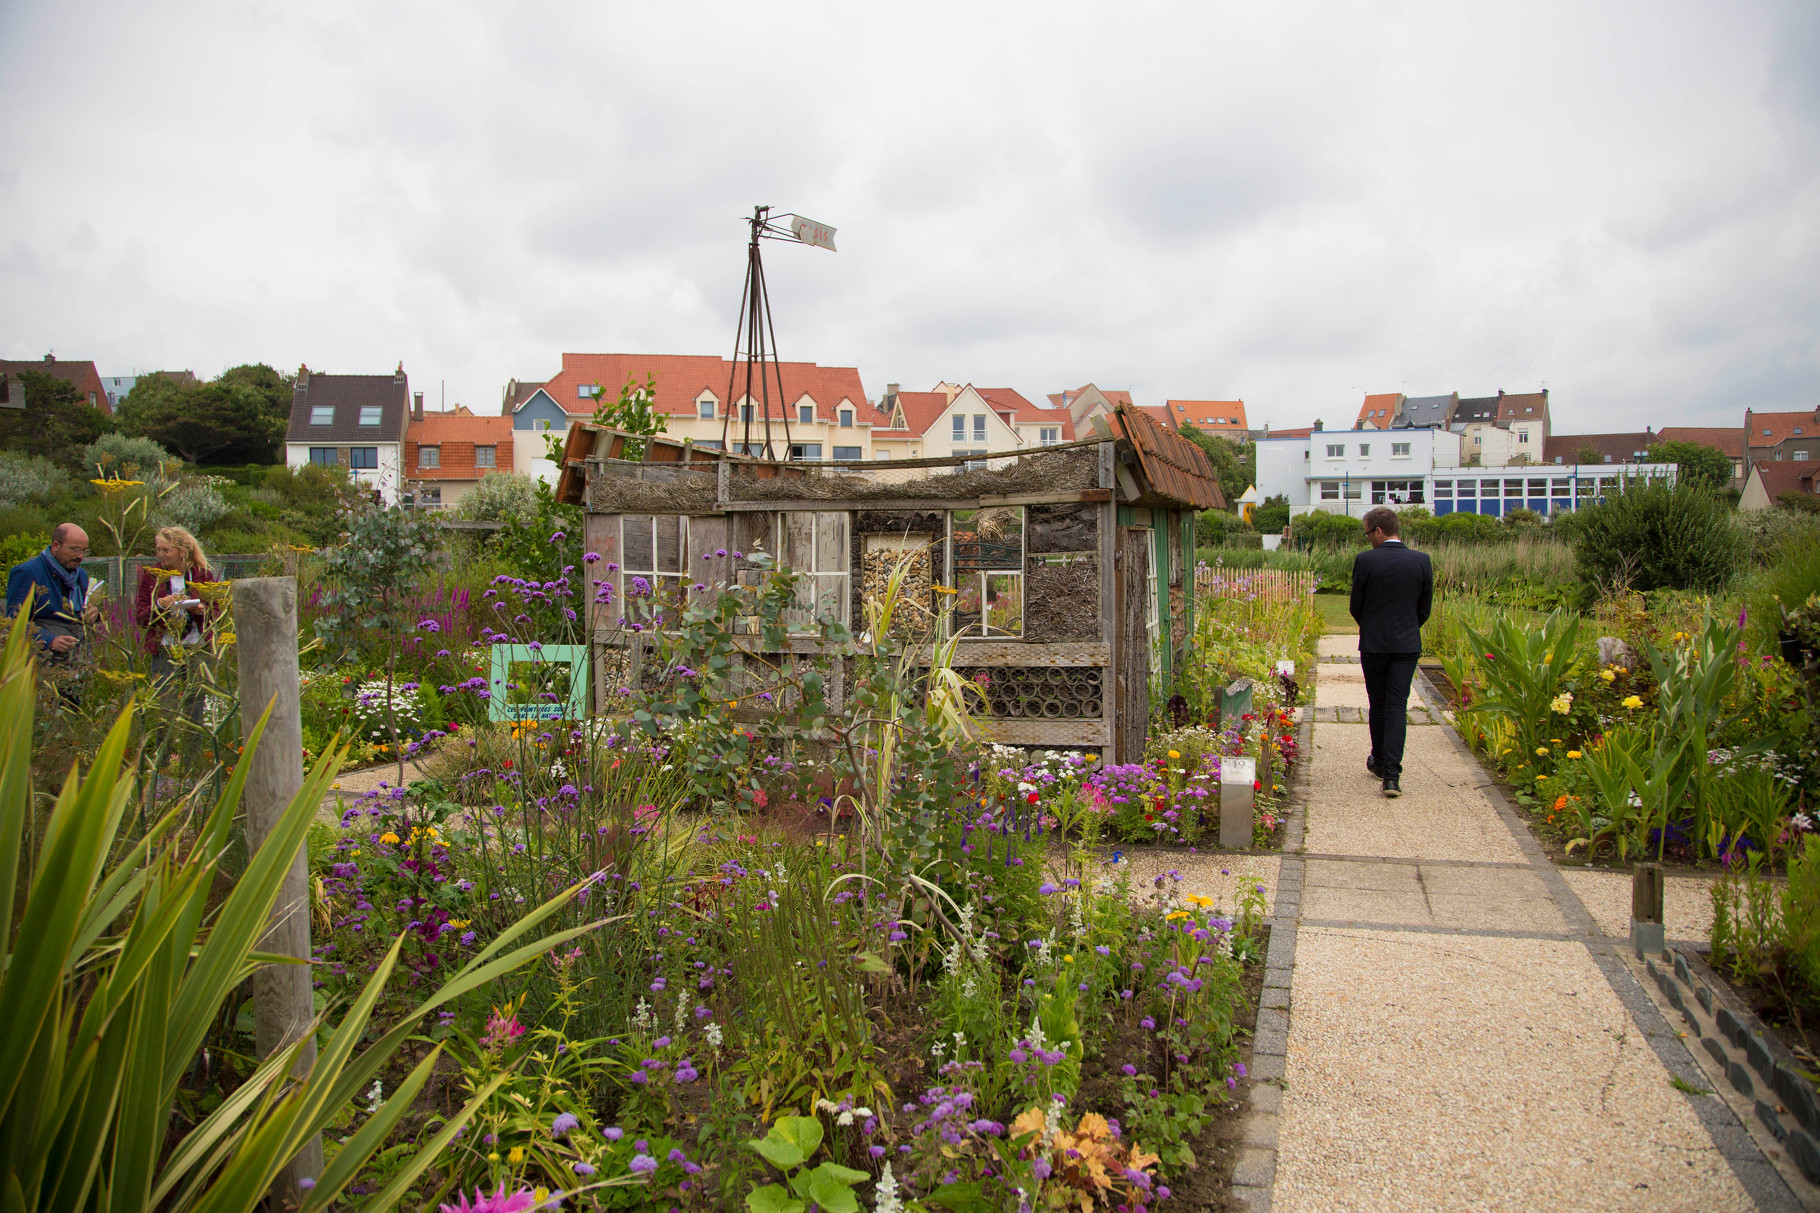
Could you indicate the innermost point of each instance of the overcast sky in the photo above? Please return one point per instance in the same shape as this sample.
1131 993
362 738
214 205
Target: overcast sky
1290 203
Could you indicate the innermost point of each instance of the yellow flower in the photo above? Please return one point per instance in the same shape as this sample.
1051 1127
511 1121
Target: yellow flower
1573 753
493 1157
515 1155
540 1195
459 923
1541 751
1068 959
1175 753
942 589
732 703
1200 901
226 638
1632 702
113 484
1607 674
388 838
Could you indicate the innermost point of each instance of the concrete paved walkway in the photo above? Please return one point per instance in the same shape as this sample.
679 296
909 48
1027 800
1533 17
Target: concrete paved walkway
1451 1026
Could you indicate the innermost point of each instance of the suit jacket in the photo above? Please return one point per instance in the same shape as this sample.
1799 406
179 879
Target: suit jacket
1392 592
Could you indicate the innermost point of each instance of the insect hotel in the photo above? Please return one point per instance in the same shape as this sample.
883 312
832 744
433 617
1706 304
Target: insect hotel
1071 566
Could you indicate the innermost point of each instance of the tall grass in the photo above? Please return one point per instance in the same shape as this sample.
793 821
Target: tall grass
1461 567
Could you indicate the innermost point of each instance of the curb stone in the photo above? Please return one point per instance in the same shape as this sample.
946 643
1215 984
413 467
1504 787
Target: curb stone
1255 1173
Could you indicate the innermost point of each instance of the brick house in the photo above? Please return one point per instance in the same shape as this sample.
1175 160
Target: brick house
352 421
80 375
447 454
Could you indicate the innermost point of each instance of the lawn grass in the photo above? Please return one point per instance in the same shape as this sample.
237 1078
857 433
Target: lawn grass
1335 617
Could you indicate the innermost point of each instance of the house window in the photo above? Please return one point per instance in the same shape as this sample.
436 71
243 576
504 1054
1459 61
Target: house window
1522 436
370 414
322 414
650 562
805 414
363 458
1336 450
586 391
486 456
1513 488
1778 454
979 427
1364 450
704 409
1467 489
846 419
1330 490
429 495
849 454
805 450
1478 440
323 456
815 545
1797 429
1766 433
429 456
91 404
1443 490
1350 489
986 569
1538 488
1049 435
1799 456
960 428
1399 450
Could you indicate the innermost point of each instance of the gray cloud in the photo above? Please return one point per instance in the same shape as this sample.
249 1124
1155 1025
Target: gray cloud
1296 205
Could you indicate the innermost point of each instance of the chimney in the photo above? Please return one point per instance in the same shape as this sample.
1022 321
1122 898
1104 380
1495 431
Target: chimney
1317 424
416 406
398 375
891 396
303 377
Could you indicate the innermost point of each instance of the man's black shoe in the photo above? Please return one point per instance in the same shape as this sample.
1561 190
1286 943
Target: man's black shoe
1392 789
1371 763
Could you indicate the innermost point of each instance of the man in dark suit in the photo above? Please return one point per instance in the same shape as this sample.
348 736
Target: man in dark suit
1392 592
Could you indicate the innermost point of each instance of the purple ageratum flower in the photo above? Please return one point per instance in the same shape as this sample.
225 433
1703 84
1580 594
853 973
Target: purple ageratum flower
1045 888
686 1073
613 1134
1147 1023
306 1183
642 1164
582 1168
563 1123
499 1202
1128 1070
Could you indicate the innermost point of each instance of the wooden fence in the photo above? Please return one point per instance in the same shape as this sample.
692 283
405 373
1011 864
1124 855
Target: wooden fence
1265 585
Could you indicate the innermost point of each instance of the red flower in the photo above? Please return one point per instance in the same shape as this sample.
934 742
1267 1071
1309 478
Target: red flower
508 764
1031 798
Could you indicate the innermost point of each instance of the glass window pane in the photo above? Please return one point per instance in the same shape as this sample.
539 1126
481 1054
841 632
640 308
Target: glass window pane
989 539
1004 604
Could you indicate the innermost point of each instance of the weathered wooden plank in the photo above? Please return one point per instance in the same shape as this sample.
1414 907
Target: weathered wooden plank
1045 732
1133 680
1019 652
1109 600
1063 497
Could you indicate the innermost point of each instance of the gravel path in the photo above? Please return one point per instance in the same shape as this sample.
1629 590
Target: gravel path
1463 1031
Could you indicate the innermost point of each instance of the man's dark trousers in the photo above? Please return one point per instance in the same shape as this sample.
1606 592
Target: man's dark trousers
1387 679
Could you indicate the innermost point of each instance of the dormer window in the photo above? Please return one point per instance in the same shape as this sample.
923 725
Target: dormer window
805 414
846 419
369 414
322 414
704 408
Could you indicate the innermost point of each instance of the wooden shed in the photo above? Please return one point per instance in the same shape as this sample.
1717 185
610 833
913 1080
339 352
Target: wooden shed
1071 565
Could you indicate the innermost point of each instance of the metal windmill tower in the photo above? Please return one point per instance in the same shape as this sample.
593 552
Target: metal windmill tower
757 332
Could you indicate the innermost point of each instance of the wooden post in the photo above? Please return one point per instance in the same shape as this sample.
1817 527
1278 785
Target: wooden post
1647 932
265 629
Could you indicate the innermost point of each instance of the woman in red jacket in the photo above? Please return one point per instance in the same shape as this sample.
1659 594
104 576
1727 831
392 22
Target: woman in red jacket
173 622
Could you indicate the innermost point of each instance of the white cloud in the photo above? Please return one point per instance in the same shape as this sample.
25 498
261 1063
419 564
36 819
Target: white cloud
1296 204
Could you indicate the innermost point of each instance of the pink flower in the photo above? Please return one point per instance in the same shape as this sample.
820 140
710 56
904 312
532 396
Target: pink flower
499 1202
502 1030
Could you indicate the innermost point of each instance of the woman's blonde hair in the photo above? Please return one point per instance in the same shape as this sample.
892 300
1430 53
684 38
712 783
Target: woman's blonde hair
188 544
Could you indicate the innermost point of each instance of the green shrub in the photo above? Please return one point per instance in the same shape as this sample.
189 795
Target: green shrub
1319 529
17 549
500 497
193 506
1651 536
30 478
128 458
1271 517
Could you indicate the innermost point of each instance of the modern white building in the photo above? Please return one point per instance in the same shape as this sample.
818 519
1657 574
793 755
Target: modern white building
1350 471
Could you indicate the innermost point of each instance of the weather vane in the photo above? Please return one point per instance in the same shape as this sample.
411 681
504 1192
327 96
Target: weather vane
757 331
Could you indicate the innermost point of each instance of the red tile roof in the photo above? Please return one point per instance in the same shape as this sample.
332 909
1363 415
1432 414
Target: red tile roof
921 410
1522 406
1381 409
1161 414
682 378
1622 448
1212 416
456 435
1782 425
1727 440
80 375
1781 476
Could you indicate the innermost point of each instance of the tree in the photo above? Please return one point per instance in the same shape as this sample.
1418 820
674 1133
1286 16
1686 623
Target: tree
1235 465
1586 452
1273 515
56 422
1650 536
238 417
1698 463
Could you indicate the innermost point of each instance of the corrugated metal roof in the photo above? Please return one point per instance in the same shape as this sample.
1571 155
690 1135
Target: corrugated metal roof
1171 465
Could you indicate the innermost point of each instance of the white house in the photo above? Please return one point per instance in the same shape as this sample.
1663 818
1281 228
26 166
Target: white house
353 421
1350 471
